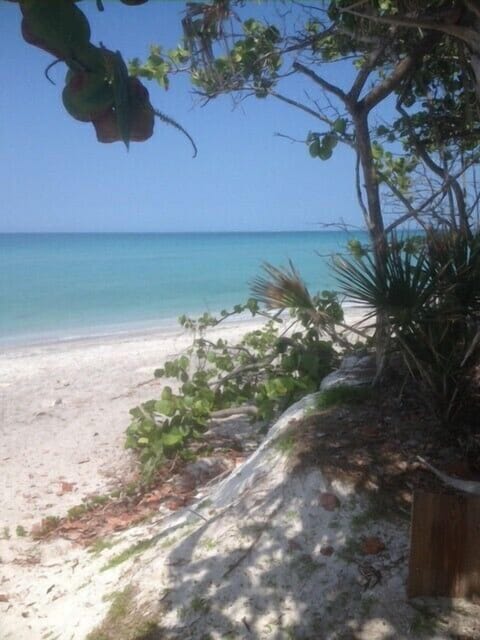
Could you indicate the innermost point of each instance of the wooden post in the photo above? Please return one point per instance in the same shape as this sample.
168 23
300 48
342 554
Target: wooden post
445 546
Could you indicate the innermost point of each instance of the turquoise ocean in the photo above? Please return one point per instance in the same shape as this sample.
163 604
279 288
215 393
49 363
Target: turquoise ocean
65 286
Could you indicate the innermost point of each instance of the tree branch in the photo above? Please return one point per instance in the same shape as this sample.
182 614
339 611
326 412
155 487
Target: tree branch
402 69
298 105
331 88
364 72
440 171
423 23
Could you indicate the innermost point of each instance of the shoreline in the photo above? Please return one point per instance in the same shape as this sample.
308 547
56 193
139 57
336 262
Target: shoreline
64 409
112 333
130 331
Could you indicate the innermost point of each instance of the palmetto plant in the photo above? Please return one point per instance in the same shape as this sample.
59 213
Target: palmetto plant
431 301
284 288
398 291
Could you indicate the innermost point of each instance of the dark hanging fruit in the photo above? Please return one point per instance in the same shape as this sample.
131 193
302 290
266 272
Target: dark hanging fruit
142 116
106 127
87 95
91 58
56 26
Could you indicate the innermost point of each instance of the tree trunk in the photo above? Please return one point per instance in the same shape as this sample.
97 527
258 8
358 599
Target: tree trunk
374 218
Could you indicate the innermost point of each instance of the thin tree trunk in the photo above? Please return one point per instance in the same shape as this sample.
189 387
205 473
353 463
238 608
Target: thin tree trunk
374 219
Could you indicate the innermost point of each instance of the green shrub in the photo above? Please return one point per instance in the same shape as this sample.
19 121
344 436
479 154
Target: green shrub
266 368
430 298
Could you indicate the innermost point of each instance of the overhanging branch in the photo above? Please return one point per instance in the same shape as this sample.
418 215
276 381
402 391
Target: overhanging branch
328 86
401 71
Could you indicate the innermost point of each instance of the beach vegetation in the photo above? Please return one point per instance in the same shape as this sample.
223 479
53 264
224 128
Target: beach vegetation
344 395
260 375
429 295
129 552
407 109
123 621
101 544
47 525
20 531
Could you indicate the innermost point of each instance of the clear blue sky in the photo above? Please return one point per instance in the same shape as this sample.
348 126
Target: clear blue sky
57 177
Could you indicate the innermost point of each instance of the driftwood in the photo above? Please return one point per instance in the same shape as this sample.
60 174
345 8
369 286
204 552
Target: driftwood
468 486
247 409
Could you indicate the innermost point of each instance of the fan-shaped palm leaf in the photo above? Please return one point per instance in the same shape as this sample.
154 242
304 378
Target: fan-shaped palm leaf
282 289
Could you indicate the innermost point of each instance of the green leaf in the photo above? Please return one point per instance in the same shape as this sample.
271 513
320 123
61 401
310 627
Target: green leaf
172 438
165 407
315 148
340 126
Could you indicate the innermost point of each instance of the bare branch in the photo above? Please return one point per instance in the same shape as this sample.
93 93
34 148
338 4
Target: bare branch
249 410
440 171
298 105
400 72
364 72
463 33
328 86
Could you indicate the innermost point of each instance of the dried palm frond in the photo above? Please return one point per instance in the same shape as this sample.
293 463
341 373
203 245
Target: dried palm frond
282 289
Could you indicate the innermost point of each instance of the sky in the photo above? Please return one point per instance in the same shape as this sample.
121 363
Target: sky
56 177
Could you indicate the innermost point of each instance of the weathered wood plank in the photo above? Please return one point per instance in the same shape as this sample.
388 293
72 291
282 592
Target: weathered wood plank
445 546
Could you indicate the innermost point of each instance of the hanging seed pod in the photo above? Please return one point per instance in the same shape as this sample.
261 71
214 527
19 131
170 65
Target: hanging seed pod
87 96
89 58
56 26
142 118
106 127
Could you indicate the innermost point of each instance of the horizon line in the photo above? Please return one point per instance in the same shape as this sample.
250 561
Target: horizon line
36 232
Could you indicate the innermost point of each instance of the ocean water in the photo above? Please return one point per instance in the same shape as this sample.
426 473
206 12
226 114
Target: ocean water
63 286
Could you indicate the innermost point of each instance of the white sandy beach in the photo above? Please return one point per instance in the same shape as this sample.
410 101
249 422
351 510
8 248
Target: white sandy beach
63 414
64 410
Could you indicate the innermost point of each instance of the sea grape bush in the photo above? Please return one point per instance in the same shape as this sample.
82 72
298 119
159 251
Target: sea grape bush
267 370
98 87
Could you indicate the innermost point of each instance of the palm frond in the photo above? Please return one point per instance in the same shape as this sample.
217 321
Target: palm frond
282 289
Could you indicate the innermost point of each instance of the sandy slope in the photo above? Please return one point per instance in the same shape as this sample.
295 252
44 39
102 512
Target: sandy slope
247 562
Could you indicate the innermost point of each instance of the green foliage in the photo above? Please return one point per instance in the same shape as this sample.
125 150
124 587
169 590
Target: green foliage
429 292
130 552
270 367
344 395
156 67
99 88
321 145
123 621
253 58
397 169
